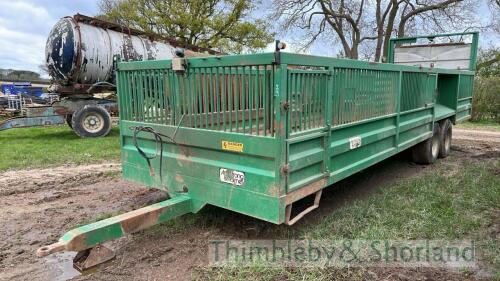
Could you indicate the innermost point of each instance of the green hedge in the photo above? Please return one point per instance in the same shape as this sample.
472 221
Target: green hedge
486 99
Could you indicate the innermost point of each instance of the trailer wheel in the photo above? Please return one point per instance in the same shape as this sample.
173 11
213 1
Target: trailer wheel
91 121
68 120
445 138
427 151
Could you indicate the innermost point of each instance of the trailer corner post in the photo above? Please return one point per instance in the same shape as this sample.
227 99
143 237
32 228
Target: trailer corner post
91 235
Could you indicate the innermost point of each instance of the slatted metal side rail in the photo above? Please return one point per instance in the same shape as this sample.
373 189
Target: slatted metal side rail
232 99
361 94
415 91
307 92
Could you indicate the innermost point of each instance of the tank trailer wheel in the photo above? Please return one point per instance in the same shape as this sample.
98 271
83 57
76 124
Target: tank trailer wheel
445 135
91 121
68 118
427 151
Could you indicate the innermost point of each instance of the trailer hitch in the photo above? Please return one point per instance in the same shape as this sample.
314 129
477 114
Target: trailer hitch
91 236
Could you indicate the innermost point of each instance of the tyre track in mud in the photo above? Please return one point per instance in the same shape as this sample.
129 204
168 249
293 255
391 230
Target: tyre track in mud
22 181
37 206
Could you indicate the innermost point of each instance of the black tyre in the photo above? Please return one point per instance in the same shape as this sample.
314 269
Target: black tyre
91 121
427 151
68 120
445 134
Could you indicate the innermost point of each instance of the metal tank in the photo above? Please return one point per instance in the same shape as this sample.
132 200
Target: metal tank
80 50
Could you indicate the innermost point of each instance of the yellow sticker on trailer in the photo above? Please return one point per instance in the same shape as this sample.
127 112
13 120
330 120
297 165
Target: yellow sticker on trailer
232 146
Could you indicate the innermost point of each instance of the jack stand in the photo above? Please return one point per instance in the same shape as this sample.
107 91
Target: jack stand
91 257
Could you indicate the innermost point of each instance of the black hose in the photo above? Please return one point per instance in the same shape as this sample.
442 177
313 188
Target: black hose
159 146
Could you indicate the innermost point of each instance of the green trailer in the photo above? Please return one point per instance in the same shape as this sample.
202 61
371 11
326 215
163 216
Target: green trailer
256 133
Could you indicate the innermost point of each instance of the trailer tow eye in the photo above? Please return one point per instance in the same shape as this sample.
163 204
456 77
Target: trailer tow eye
87 239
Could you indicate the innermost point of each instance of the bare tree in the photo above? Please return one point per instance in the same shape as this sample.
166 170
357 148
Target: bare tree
371 22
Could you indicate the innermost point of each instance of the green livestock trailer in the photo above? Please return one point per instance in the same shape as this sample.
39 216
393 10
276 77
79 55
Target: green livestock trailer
257 133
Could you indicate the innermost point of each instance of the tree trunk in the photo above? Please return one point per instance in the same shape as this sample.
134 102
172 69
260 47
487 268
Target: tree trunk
388 30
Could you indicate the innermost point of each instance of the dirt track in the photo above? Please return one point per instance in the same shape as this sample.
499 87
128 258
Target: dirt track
36 210
476 135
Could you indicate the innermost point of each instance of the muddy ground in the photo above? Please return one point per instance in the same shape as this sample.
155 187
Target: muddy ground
38 206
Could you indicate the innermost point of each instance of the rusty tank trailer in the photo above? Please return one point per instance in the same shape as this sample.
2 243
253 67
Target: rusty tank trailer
80 57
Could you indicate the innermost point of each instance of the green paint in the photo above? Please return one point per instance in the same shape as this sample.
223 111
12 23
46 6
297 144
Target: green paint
322 121
279 114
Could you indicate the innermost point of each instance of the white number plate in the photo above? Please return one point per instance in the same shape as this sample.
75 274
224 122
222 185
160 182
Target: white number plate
354 142
231 176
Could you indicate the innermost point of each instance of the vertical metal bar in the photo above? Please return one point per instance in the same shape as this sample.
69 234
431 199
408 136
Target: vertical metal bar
153 78
133 88
279 95
250 99
237 97
161 94
158 95
273 101
173 97
123 94
310 98
154 94
259 95
223 96
199 97
398 109
296 101
189 96
205 95
183 93
220 114
218 98
243 99
140 98
170 97
265 96
230 98
210 94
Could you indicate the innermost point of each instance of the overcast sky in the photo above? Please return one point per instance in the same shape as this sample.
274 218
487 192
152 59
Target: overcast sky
25 25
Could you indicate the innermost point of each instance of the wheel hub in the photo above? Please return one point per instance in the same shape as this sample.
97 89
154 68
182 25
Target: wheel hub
93 123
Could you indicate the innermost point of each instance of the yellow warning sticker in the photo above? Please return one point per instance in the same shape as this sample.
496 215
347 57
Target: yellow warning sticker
232 146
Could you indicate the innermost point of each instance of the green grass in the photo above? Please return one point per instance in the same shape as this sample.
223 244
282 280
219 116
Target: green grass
441 204
480 125
40 147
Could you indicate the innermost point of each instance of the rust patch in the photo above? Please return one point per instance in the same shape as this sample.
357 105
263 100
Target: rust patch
304 191
140 221
279 128
77 243
274 190
179 178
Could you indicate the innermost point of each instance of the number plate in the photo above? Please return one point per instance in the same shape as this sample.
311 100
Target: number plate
354 142
232 177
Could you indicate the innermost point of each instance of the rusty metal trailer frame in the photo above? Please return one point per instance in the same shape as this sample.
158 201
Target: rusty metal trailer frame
256 133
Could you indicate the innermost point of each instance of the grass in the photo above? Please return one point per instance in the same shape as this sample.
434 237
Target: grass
441 204
480 125
40 147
